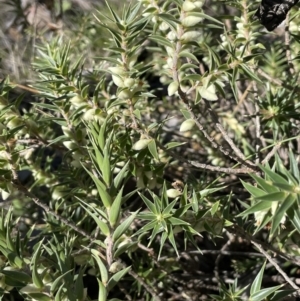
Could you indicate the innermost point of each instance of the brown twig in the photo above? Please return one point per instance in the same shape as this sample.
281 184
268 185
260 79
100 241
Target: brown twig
148 288
276 266
220 255
241 232
22 87
241 158
257 126
227 170
48 210
287 46
175 75
271 153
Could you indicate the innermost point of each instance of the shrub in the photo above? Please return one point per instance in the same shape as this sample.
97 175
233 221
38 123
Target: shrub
152 141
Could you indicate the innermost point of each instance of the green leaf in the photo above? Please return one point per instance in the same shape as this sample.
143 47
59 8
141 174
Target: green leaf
79 288
158 228
101 265
102 296
151 206
273 197
286 187
294 216
163 239
256 285
202 15
121 176
174 144
122 228
147 216
105 167
17 275
193 77
264 293
281 294
172 241
254 191
116 278
215 208
264 184
36 277
40 297
161 40
125 248
101 224
105 197
208 93
260 206
250 73
169 19
176 221
183 67
169 207
187 54
115 209
58 280
279 214
294 166
274 176
147 227
153 149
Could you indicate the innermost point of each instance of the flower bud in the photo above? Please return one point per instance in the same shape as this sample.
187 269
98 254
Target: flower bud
173 193
67 132
172 88
188 6
14 122
115 267
190 21
141 144
117 71
208 93
129 82
77 101
187 125
190 36
125 94
118 81
199 3
70 145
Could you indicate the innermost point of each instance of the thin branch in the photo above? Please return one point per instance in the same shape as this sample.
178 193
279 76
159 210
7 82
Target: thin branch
48 210
220 255
224 253
183 96
277 81
241 232
227 138
227 170
271 153
109 250
276 266
23 87
147 287
287 46
257 126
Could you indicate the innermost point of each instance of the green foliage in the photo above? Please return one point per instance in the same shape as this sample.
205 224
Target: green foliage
150 133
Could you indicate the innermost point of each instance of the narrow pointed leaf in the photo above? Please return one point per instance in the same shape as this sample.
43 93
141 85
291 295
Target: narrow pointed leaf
278 216
262 205
115 209
256 285
122 228
116 278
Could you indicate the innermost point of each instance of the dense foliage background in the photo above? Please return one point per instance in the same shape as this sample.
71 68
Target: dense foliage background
148 151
